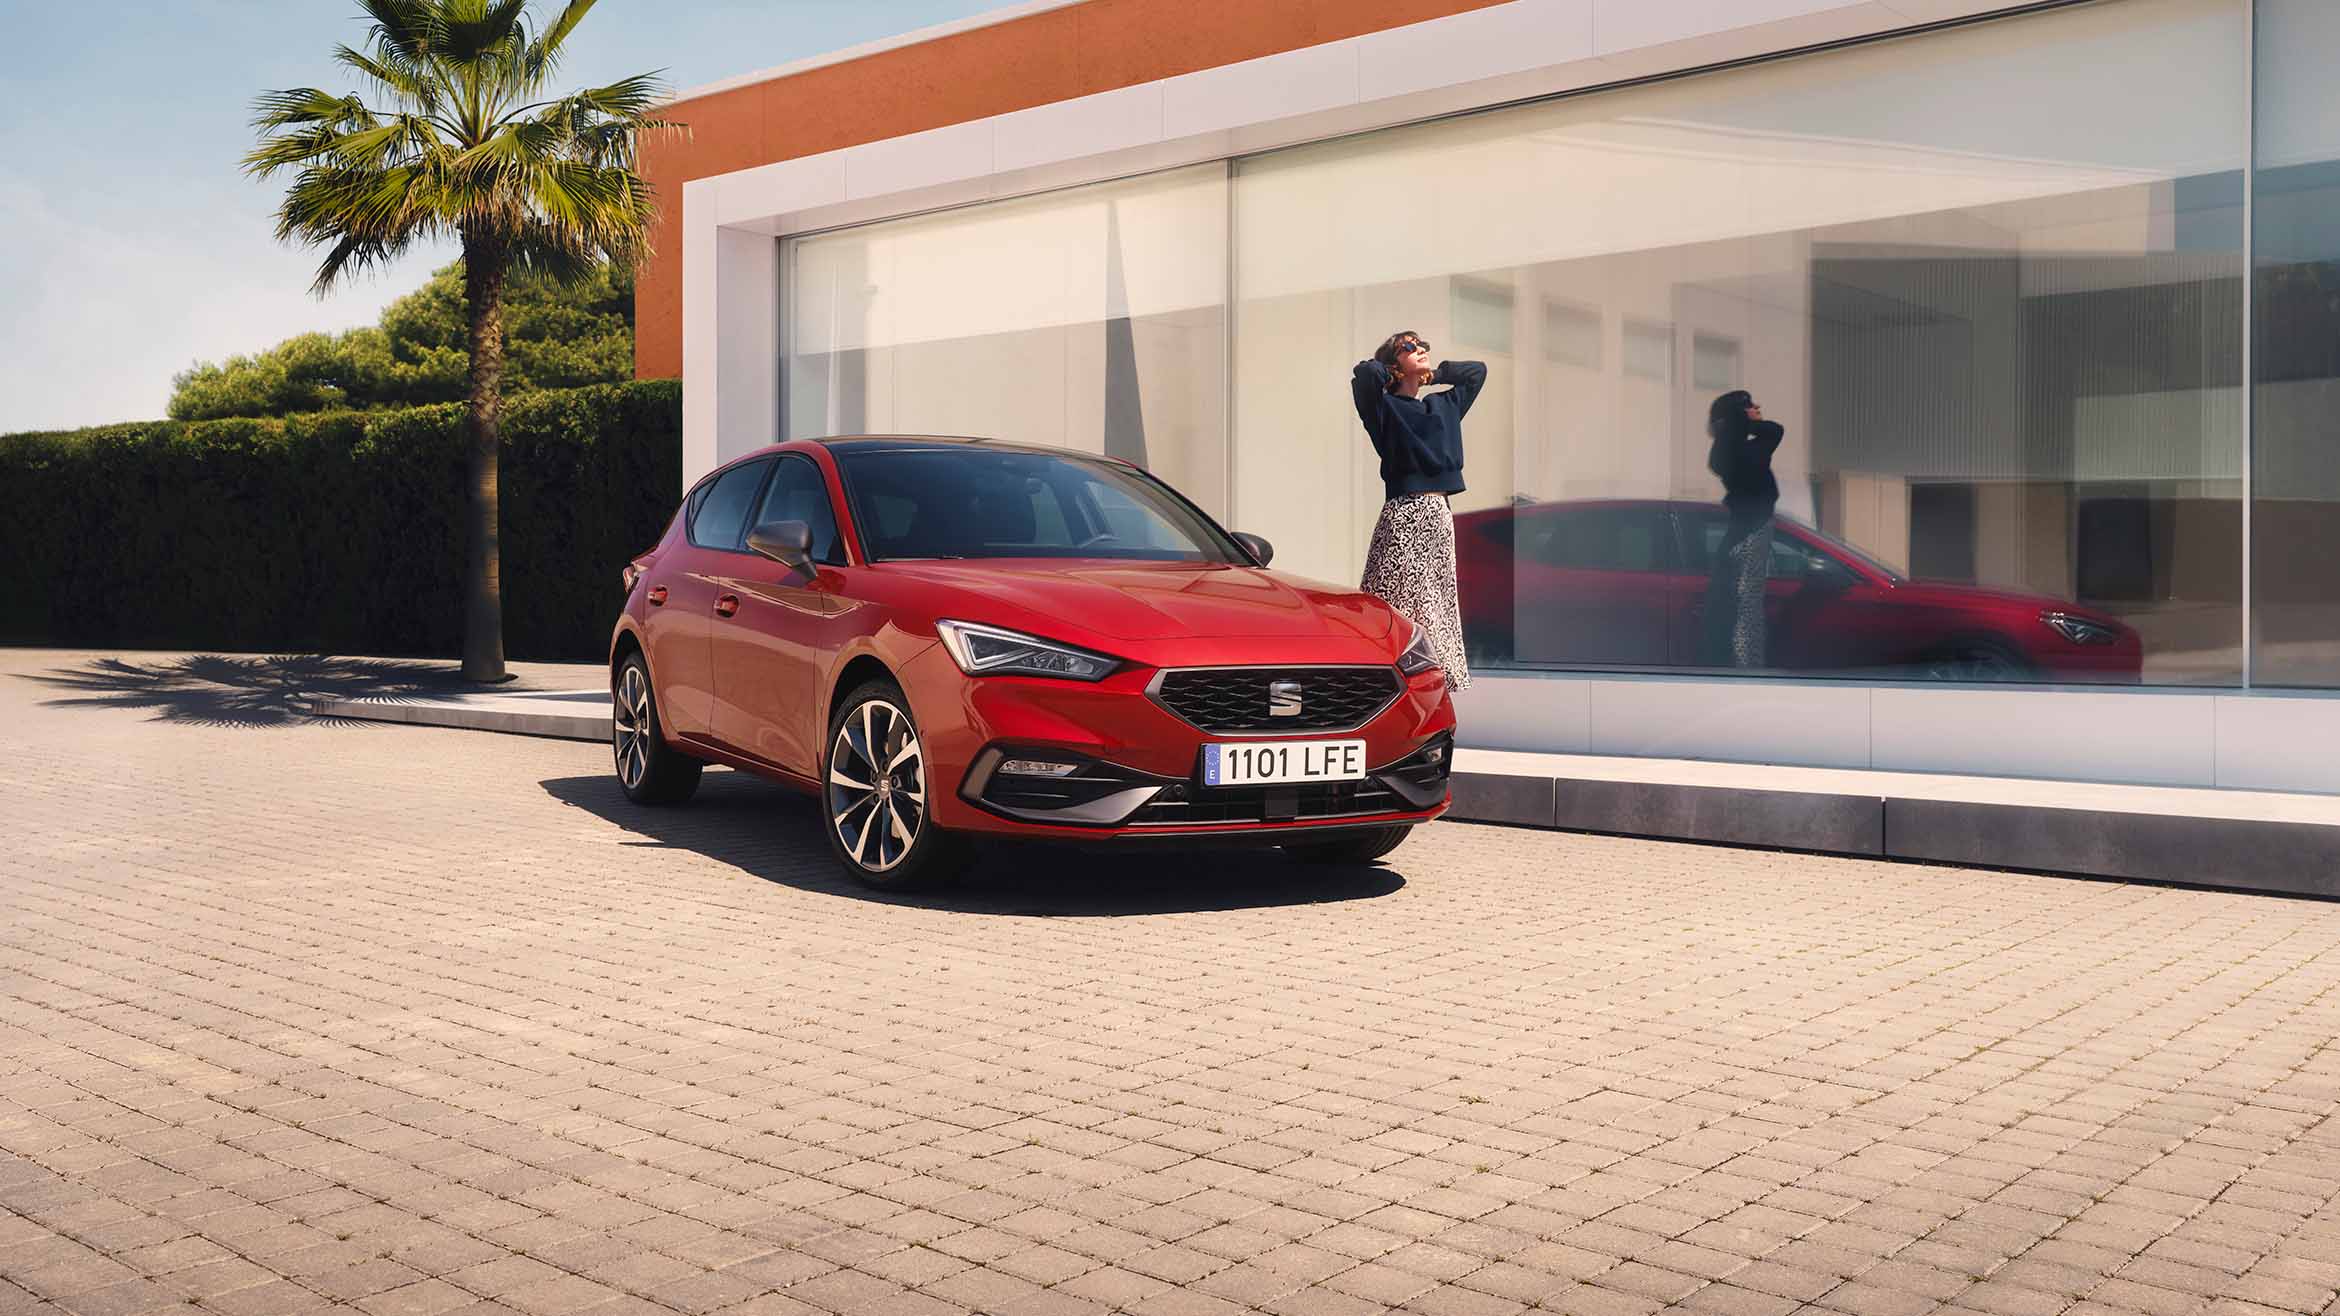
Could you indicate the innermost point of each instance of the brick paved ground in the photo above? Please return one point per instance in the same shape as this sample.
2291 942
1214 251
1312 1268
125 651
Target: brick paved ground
425 1021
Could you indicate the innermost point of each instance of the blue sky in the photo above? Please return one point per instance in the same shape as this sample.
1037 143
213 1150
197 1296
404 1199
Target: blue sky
131 246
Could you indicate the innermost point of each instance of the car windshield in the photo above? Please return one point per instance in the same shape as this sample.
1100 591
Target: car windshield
974 502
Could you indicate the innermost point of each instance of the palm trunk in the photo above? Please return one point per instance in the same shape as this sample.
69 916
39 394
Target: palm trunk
483 589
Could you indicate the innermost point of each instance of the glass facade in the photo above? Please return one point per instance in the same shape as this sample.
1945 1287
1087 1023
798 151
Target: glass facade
2295 394
2003 332
1092 318
1990 280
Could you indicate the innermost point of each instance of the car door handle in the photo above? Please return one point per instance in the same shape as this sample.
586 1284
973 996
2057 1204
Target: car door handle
657 596
726 605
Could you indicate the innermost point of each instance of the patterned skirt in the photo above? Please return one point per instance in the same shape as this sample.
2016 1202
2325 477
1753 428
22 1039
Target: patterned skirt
1410 566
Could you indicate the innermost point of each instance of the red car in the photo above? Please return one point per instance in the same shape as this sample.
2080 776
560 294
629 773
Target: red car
949 639
1625 583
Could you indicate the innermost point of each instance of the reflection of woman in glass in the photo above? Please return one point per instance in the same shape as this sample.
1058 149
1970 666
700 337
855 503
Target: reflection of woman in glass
1740 456
1410 564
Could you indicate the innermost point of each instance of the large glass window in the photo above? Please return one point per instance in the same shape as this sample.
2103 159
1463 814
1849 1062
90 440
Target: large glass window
1092 318
1989 279
2295 397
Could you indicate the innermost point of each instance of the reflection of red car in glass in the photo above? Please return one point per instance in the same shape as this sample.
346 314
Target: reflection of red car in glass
1624 583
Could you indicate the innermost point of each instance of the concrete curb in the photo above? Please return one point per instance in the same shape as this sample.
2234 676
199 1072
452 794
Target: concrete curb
560 714
2237 840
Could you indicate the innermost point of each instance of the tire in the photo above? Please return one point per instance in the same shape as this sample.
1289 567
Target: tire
1978 662
649 770
1357 848
874 799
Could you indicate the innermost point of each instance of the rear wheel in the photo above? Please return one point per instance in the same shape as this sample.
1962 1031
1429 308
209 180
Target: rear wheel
650 770
1355 848
876 795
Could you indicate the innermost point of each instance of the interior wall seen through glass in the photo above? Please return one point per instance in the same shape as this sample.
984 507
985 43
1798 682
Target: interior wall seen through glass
1092 318
2003 333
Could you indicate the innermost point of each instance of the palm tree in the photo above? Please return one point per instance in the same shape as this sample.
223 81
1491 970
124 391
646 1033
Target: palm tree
463 142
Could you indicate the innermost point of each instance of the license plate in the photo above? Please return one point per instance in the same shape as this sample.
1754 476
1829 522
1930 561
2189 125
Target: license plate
1268 763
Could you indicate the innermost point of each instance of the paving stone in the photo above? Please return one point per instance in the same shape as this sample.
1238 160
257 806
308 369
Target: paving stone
282 997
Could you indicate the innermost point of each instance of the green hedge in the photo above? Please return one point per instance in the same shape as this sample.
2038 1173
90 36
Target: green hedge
334 533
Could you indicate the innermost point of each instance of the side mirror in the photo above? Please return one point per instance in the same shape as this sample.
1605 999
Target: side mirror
788 543
1261 550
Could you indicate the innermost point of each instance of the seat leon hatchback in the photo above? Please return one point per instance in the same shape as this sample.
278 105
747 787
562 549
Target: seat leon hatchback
948 640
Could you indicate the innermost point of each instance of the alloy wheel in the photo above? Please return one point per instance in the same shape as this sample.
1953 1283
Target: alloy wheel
629 727
877 785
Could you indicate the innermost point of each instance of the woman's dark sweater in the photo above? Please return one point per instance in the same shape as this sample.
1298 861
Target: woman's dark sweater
1741 459
1419 438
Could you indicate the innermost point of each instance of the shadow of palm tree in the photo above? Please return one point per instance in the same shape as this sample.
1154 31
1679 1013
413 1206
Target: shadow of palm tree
773 833
244 691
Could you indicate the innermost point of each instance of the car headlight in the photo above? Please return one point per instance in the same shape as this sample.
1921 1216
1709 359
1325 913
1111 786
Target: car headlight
981 650
2080 630
1418 658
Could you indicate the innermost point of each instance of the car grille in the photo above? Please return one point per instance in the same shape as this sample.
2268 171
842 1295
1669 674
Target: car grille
1234 700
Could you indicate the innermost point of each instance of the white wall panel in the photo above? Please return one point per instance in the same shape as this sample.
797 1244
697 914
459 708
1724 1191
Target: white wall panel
2152 738
1812 725
2274 741
1471 47
902 164
1258 90
1089 125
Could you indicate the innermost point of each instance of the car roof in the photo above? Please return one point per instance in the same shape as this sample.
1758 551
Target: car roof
932 442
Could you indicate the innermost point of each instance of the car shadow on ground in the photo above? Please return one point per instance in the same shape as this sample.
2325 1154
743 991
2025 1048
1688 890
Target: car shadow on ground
242 690
773 833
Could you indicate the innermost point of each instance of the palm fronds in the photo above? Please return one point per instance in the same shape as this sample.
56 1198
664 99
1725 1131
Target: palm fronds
454 135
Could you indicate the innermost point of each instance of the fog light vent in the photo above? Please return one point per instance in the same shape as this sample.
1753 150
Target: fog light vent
1037 768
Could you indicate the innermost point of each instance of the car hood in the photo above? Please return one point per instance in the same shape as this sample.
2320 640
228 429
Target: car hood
1153 600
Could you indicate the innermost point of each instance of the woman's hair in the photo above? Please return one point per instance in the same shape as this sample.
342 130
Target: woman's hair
1386 354
1728 415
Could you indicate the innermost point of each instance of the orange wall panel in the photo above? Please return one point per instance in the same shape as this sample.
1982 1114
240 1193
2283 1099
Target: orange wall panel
1078 50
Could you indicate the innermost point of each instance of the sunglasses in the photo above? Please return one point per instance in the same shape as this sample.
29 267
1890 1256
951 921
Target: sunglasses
1412 345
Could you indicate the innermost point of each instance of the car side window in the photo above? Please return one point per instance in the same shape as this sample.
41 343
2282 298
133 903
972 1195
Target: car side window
1702 533
798 493
1794 559
721 520
1600 539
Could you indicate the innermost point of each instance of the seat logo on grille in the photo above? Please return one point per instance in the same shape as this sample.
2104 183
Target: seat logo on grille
1283 699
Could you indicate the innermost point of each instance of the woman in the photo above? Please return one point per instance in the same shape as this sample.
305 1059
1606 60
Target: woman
1410 565
1740 456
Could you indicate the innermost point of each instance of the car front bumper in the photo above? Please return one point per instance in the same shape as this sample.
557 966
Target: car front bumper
1138 774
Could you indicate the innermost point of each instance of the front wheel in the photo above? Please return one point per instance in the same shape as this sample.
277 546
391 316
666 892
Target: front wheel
1356 848
876 795
648 769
